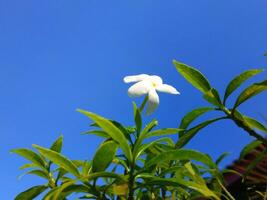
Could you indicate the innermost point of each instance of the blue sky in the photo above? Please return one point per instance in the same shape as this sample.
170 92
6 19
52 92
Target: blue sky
56 56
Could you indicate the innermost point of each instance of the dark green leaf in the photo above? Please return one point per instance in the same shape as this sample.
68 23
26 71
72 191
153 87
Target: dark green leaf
59 160
192 115
238 80
31 193
248 148
104 155
193 76
221 157
250 92
30 155
188 135
112 130
57 145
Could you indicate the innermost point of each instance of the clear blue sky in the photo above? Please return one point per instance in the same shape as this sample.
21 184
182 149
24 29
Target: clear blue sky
56 56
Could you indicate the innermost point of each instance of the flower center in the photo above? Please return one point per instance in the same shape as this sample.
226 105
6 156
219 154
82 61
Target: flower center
154 84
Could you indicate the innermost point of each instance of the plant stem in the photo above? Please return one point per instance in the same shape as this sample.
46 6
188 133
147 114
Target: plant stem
131 183
143 104
242 124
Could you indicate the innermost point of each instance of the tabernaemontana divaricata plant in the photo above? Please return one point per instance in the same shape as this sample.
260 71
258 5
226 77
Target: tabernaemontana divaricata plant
141 161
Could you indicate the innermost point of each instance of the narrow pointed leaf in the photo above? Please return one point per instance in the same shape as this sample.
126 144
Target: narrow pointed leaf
59 160
253 123
250 92
163 132
99 133
238 80
213 97
112 130
192 115
104 155
221 157
188 135
137 118
31 193
40 173
30 155
57 145
193 76
248 148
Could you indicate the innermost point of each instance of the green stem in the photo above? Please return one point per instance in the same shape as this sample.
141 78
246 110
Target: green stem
141 108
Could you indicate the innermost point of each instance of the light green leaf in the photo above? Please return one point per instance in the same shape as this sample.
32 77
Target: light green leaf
253 123
99 133
30 155
238 80
188 135
137 118
28 165
193 76
248 148
40 173
213 97
57 145
104 155
59 160
162 132
31 193
182 154
95 175
112 130
192 115
250 92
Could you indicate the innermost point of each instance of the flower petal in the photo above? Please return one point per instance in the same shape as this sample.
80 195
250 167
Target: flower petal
153 101
135 78
139 89
155 79
167 88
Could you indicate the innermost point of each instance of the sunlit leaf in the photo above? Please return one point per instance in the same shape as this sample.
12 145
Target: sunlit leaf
31 193
99 133
253 123
238 80
40 173
250 92
193 76
57 145
213 97
30 155
104 155
162 132
59 160
112 130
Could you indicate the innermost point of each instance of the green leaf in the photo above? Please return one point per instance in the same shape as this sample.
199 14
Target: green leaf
31 193
213 97
162 132
250 92
221 157
30 155
57 145
28 165
112 130
188 135
191 116
238 80
193 76
253 123
104 155
95 175
137 118
99 133
59 160
182 154
248 148
40 173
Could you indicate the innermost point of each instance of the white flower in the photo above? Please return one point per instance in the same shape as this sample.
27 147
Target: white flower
149 85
